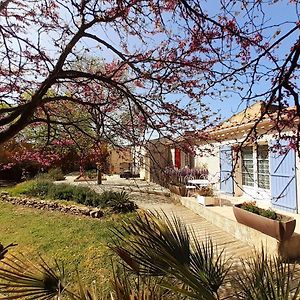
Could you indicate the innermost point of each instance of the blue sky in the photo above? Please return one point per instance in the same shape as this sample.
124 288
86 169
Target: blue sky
278 13
228 103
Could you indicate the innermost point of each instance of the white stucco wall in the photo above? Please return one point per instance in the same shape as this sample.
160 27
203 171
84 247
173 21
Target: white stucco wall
208 156
141 162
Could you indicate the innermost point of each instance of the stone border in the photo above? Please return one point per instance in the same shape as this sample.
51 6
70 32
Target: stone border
52 206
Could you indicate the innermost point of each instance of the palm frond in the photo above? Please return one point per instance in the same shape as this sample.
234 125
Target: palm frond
267 277
207 262
160 246
130 287
22 278
151 239
4 250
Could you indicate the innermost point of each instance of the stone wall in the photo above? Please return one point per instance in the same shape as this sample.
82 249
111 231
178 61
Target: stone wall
52 206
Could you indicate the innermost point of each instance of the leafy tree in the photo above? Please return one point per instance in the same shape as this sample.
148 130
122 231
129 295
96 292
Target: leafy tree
166 63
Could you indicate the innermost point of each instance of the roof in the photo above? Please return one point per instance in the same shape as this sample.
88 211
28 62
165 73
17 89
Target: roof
253 113
260 114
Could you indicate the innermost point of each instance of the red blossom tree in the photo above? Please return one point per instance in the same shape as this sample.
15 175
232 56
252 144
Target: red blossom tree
163 60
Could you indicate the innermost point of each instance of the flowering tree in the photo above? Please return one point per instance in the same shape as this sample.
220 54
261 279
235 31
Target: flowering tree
176 55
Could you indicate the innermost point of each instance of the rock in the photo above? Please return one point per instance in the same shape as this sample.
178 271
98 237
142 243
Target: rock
96 214
51 206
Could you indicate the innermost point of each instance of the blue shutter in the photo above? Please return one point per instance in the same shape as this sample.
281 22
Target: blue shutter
226 169
283 177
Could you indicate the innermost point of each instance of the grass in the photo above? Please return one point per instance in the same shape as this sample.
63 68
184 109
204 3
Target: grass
78 242
19 188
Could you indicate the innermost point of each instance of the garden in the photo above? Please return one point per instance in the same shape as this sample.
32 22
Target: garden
69 223
149 256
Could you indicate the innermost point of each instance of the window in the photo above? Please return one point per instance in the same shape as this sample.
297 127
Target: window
247 166
263 177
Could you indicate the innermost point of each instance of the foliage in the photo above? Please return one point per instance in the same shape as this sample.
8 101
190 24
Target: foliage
62 192
32 280
268 213
117 202
187 49
31 187
85 195
262 277
120 202
163 247
54 174
178 176
39 188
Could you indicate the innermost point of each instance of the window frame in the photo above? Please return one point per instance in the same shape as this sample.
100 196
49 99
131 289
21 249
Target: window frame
258 170
261 171
244 171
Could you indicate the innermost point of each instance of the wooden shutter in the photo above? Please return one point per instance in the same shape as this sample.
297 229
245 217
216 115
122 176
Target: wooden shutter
177 158
283 177
226 169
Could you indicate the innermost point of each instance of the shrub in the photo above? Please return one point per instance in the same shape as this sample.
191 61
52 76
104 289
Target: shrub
79 194
116 201
85 195
61 192
53 175
268 213
119 202
107 197
38 188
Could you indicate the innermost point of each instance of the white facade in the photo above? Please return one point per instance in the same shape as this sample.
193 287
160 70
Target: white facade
208 154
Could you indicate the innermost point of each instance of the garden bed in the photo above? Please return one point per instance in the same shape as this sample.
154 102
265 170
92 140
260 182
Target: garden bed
278 226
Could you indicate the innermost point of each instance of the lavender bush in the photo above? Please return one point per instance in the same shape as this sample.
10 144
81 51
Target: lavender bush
177 176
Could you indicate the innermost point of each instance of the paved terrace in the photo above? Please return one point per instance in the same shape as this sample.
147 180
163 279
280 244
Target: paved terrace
153 197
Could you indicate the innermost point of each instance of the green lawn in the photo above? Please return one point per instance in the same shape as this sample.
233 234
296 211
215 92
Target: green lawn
79 242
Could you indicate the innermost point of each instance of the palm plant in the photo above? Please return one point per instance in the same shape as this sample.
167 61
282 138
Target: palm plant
268 278
161 246
22 278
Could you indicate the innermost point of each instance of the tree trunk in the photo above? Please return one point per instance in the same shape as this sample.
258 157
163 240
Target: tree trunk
99 175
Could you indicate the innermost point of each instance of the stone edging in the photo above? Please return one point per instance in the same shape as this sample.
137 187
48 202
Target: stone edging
52 206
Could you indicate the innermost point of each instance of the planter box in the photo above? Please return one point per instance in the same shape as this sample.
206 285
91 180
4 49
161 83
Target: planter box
280 230
205 200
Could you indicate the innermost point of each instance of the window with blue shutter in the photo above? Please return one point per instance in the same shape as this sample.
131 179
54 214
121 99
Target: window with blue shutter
283 176
226 169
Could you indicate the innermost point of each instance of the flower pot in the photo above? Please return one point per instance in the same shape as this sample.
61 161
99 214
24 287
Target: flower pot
179 190
280 230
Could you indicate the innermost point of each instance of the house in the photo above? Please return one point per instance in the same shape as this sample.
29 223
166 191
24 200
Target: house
246 161
119 160
156 155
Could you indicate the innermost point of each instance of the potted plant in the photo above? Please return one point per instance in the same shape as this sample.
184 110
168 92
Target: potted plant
178 189
267 221
205 196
